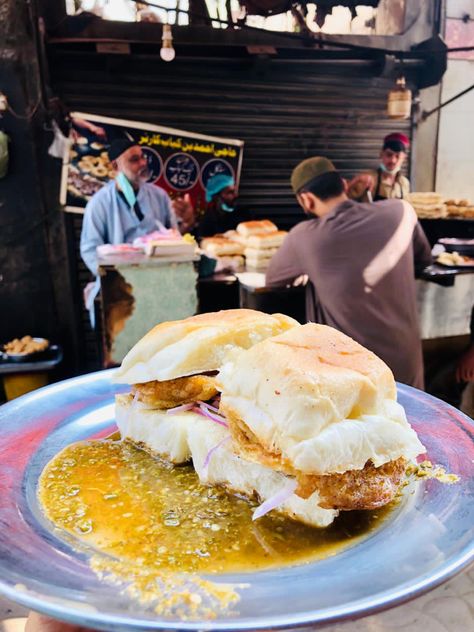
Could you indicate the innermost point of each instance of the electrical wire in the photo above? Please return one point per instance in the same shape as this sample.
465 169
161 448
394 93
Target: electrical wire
25 117
315 38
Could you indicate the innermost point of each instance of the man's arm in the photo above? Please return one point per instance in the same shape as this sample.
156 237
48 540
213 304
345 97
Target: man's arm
284 266
421 249
359 185
94 233
184 212
167 213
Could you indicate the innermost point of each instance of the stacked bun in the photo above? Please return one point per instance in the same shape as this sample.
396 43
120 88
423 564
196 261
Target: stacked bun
261 240
228 253
257 241
307 419
428 205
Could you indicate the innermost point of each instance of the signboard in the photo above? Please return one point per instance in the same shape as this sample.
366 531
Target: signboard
179 162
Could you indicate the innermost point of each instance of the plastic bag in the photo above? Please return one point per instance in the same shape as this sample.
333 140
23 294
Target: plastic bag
3 154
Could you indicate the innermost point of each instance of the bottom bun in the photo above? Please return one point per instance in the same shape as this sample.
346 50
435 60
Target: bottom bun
186 436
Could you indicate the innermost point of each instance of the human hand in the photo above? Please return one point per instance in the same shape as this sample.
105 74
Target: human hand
41 623
364 180
98 131
301 280
94 129
184 211
465 367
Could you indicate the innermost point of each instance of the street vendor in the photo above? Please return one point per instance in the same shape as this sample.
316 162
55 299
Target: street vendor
361 261
221 214
129 207
386 181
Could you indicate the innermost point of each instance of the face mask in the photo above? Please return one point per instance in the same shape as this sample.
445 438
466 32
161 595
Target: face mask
126 189
225 207
392 172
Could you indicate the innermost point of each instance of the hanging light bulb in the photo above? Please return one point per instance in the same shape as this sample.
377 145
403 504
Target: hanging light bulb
167 52
399 100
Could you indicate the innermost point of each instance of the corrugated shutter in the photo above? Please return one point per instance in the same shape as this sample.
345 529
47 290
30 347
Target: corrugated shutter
284 111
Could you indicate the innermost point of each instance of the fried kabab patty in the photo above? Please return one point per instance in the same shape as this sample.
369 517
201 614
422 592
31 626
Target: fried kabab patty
368 488
171 393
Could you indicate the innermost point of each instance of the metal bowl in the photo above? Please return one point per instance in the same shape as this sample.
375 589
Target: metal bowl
464 247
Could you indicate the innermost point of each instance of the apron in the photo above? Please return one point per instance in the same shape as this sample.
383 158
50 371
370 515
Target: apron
377 196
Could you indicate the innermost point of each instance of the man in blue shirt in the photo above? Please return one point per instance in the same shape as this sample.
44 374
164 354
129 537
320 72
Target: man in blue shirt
128 207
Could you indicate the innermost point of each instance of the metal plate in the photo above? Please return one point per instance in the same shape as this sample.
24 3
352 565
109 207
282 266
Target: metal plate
462 246
427 540
464 266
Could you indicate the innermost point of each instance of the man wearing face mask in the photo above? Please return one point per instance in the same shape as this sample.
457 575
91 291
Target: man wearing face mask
361 260
128 207
386 181
220 214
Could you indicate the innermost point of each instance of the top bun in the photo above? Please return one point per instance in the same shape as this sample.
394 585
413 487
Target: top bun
197 344
316 401
219 246
254 227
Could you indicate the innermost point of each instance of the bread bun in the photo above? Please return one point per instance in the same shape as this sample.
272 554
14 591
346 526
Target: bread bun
186 436
153 429
197 344
266 240
260 253
313 400
219 246
255 227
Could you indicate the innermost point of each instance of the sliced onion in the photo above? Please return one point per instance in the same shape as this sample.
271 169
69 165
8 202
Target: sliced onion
208 406
209 455
277 499
205 412
179 409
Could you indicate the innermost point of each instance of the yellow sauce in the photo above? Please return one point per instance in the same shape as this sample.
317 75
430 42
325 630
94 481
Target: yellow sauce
121 501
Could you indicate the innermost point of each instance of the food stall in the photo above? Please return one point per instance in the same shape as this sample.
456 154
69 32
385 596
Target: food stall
133 289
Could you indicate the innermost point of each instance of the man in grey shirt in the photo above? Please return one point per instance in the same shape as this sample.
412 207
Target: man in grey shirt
361 261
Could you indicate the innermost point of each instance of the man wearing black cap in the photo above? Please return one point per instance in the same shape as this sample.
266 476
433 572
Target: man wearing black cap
127 207
360 259
386 181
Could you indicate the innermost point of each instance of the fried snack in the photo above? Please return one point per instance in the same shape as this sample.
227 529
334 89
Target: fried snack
171 393
369 488
25 346
99 171
454 259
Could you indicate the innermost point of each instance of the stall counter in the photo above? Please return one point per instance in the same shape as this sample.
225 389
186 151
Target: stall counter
138 292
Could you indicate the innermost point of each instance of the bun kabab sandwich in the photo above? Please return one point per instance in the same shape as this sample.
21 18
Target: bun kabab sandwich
321 409
174 367
300 418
